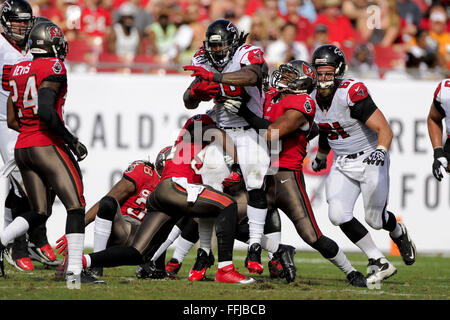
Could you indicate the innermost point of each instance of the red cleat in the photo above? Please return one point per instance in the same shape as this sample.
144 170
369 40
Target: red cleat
47 252
229 274
202 263
24 264
61 270
172 268
275 269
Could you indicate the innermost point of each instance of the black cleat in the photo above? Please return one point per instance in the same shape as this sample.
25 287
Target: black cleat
96 271
285 254
88 277
275 269
172 268
149 271
253 259
201 265
406 246
357 279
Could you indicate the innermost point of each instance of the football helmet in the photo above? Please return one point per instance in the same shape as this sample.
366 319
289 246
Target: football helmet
222 41
16 11
160 161
47 40
296 76
40 19
329 55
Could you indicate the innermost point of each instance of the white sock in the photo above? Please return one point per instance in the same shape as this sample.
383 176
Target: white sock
273 237
367 246
75 244
256 221
341 261
102 231
205 231
182 249
223 264
170 239
397 232
19 226
270 245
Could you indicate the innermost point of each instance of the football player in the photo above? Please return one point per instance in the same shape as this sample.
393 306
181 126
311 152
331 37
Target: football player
438 111
289 115
226 67
181 193
16 20
356 130
44 147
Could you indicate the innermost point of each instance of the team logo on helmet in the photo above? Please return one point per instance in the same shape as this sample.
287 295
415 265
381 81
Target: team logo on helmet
231 27
6 7
55 32
309 71
338 51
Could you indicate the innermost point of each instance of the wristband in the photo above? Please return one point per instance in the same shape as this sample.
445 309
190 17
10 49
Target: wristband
217 77
321 155
383 148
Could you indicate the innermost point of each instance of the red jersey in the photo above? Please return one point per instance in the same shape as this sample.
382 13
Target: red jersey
26 77
94 22
293 149
185 159
145 180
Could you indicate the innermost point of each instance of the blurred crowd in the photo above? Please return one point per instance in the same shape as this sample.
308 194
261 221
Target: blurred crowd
154 36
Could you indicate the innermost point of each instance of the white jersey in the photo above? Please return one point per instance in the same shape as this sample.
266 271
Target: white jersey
9 56
126 44
245 55
346 135
442 95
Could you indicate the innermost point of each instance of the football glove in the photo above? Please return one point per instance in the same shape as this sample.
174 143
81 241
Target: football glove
235 176
232 106
61 245
204 90
78 149
440 159
376 157
320 162
200 72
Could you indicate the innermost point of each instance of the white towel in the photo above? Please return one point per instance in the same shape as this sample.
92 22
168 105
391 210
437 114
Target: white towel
193 190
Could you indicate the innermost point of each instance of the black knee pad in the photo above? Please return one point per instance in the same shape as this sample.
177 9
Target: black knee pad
107 208
75 221
354 230
327 247
273 222
257 199
190 231
18 205
391 222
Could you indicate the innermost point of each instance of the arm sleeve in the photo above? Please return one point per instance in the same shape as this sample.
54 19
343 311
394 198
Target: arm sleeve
254 121
323 141
48 114
363 109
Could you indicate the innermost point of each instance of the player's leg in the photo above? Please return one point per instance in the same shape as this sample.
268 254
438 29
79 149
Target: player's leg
342 193
254 161
189 236
292 198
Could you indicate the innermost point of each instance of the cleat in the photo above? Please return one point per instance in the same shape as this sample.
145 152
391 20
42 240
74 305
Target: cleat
275 269
44 254
229 274
253 259
285 254
149 271
202 263
96 271
357 279
7 253
406 246
172 268
61 270
379 270
24 264
88 277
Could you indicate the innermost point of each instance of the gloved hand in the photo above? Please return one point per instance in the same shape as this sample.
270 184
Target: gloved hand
200 72
61 245
376 157
204 90
233 106
320 162
235 176
440 159
78 149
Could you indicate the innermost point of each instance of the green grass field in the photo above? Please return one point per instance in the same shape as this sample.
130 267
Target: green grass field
317 279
